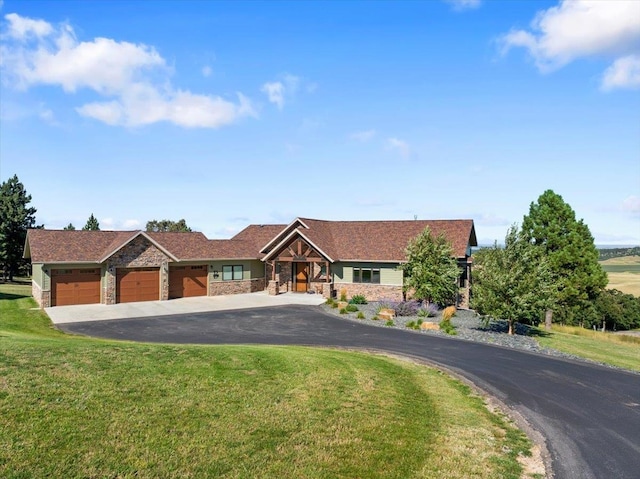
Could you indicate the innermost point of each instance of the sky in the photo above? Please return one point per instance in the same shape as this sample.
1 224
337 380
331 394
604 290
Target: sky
235 113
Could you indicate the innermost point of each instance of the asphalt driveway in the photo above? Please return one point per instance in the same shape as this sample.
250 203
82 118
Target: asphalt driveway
589 414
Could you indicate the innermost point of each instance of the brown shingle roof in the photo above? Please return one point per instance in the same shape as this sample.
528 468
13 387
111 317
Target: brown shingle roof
340 240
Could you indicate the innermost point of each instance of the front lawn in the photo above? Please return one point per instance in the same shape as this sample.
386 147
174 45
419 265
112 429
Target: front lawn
77 407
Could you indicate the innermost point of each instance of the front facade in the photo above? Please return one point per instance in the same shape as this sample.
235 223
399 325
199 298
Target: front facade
306 256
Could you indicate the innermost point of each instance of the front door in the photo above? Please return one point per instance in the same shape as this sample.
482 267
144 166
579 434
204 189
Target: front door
302 277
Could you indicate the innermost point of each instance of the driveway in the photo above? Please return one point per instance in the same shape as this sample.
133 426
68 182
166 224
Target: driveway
588 414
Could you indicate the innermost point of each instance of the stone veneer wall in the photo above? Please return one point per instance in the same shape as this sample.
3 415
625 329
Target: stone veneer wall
284 278
220 288
139 253
373 292
43 298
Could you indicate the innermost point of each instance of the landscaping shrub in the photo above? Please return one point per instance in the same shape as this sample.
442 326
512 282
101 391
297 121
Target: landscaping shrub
376 318
428 310
334 305
389 323
360 315
351 308
407 308
358 299
447 327
330 301
343 311
412 325
343 295
448 313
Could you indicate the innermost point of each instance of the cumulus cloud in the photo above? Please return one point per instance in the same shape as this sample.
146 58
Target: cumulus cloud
207 71
583 28
631 205
363 136
624 73
399 146
132 80
285 88
460 5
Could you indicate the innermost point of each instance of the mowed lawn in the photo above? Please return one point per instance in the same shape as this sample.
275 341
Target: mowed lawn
624 274
75 407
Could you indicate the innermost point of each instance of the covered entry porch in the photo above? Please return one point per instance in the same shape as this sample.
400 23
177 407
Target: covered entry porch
298 267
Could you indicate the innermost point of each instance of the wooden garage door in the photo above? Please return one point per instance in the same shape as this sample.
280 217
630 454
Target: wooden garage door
137 284
75 286
187 281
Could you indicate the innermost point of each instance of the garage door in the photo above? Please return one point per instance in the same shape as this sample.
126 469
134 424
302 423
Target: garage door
187 281
137 284
75 286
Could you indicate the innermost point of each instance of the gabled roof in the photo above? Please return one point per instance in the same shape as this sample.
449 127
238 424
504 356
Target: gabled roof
373 240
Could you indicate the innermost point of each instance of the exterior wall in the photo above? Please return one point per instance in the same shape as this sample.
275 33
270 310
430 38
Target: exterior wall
373 292
389 273
251 269
139 253
219 288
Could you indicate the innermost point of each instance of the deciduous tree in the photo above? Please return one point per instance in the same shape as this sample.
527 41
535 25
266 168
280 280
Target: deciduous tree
568 246
179 226
512 283
15 218
431 272
69 227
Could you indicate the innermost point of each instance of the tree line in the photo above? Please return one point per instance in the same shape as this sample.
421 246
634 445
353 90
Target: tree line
17 216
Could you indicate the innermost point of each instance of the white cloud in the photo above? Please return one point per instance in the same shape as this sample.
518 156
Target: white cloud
400 146
631 205
363 136
624 73
275 93
577 29
460 5
280 91
131 224
207 71
21 27
132 77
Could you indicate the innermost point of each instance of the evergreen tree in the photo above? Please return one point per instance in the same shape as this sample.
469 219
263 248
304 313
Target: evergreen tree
512 283
92 224
431 272
168 225
15 218
69 227
567 244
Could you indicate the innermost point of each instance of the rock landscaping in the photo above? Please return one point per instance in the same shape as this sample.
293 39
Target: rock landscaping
468 326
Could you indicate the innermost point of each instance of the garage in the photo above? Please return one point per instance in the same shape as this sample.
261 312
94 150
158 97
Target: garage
137 284
75 286
187 281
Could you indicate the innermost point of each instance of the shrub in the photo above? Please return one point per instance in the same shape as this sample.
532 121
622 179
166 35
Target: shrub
412 325
375 318
351 308
343 295
343 311
407 308
358 299
448 313
360 315
447 327
329 301
334 305
428 310
389 323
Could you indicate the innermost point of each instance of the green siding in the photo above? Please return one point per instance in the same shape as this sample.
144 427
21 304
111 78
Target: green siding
389 274
37 275
251 269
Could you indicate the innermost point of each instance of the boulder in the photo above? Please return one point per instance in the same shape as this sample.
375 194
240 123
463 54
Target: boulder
429 325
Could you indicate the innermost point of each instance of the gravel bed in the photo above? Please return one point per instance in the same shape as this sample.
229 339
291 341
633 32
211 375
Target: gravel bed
469 326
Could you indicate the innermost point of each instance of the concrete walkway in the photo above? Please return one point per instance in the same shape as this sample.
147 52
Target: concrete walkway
101 312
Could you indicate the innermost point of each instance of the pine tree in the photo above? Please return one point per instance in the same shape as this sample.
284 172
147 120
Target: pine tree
92 224
69 227
567 244
15 218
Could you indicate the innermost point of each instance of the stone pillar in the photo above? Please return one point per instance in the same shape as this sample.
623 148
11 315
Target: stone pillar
272 288
326 290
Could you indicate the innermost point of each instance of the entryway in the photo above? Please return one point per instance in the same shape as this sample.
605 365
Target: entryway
301 278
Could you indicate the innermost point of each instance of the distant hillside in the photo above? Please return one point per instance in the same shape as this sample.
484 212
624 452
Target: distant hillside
608 253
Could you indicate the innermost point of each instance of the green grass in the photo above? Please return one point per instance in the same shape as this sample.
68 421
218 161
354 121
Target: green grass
607 348
76 407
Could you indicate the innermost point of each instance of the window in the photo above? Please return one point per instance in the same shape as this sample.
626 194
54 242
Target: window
232 273
366 275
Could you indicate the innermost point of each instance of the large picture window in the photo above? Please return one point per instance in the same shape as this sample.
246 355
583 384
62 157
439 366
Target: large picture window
366 275
231 273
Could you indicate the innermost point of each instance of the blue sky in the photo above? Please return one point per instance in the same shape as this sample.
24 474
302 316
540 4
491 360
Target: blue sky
226 114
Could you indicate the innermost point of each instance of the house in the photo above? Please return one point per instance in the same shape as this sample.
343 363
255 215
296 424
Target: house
307 255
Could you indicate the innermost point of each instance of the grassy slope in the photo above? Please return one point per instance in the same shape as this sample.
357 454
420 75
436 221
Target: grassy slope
78 407
624 274
607 348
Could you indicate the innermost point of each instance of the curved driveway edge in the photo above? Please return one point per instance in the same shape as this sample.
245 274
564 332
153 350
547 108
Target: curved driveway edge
589 414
